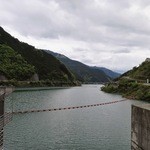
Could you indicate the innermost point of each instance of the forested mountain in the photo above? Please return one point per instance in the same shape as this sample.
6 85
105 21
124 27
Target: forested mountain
45 65
142 72
13 65
134 84
82 72
109 72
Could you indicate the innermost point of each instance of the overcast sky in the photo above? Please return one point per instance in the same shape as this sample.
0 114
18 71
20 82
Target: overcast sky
109 33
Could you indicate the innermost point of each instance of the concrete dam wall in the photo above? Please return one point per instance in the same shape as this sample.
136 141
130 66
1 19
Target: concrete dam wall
140 127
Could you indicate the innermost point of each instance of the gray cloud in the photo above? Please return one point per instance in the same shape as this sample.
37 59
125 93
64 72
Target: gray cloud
103 31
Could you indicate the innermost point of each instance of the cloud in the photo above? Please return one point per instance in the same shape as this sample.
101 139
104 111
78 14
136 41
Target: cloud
96 32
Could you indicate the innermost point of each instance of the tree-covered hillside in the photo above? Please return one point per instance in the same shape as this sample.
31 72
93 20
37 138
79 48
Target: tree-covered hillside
46 65
133 84
142 72
13 66
82 72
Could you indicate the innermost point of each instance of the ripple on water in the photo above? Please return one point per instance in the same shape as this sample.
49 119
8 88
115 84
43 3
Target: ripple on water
104 127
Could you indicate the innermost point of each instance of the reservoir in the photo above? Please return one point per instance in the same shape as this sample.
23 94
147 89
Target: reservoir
105 127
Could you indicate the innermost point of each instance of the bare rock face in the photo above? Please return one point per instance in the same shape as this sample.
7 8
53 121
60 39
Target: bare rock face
35 77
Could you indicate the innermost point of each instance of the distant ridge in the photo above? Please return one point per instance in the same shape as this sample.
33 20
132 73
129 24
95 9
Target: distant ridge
109 72
82 72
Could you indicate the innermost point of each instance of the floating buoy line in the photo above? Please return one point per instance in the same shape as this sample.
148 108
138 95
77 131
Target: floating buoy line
68 108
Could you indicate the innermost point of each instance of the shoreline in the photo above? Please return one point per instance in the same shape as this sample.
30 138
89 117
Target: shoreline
34 84
19 89
134 91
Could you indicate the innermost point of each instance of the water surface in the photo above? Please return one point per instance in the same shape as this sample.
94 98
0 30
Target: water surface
97 128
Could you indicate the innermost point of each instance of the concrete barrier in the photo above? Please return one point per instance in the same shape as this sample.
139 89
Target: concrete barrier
140 127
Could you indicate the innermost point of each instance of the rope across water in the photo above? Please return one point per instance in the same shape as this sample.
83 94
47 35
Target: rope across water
68 108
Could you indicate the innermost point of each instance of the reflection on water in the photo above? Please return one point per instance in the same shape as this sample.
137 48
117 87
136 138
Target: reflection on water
97 128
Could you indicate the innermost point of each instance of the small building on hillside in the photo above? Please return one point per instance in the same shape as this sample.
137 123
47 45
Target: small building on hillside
2 78
35 77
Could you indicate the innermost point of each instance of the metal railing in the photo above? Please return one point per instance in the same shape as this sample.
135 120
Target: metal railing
1 139
5 119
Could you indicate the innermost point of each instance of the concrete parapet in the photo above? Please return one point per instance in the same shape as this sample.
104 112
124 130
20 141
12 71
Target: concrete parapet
140 127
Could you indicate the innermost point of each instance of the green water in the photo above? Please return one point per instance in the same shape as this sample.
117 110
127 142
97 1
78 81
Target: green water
96 128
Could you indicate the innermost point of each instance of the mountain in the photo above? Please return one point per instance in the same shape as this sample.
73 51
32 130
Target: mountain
46 65
13 65
109 72
134 84
82 72
142 72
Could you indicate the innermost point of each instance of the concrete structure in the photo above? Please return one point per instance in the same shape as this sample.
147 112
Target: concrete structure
35 77
5 117
140 128
147 60
2 78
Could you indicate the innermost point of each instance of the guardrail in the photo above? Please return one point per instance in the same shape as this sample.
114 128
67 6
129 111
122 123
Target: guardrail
5 117
1 139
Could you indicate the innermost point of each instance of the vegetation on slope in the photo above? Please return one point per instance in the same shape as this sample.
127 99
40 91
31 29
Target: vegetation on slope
82 72
140 73
129 89
46 65
13 66
132 84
